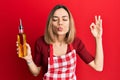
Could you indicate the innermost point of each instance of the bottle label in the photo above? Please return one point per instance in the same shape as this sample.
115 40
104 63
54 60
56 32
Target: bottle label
21 38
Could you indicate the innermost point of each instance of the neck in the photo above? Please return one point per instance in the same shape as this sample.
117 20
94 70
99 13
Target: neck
60 40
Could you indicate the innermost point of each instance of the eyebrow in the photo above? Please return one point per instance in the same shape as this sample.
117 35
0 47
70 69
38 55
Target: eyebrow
57 16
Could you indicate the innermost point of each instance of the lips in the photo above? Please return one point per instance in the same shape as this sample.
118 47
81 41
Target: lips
59 28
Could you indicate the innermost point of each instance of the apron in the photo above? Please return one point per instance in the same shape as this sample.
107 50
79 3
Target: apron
61 67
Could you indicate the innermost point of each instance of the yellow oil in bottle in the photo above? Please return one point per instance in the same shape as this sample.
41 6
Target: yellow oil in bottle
21 39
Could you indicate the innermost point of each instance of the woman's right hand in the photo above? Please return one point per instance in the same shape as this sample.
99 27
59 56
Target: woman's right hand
28 57
32 66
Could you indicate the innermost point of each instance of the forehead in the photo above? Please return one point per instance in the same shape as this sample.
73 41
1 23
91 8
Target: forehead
60 12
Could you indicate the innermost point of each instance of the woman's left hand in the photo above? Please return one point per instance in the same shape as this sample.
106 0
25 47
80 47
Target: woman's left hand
96 28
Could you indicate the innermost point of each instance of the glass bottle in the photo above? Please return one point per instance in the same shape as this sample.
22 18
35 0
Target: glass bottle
21 39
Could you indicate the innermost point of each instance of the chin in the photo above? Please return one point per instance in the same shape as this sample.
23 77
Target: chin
61 34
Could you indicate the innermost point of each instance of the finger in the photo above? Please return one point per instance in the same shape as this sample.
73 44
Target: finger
17 49
98 22
101 23
99 18
28 46
92 26
17 52
17 43
95 19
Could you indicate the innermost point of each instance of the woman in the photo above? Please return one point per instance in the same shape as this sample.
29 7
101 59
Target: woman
55 52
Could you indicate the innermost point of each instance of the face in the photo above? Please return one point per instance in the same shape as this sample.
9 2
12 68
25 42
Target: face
60 22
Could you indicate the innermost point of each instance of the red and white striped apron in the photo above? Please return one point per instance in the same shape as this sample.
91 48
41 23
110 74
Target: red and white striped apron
61 67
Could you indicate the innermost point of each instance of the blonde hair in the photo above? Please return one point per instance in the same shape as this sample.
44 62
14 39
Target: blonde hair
49 36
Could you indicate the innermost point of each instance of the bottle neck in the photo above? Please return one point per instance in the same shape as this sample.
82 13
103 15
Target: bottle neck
21 31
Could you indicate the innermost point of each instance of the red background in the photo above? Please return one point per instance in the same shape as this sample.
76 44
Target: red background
34 14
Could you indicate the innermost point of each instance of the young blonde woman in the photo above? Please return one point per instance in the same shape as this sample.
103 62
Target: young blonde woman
55 52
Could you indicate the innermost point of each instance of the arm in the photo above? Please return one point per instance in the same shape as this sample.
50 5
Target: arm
96 30
32 66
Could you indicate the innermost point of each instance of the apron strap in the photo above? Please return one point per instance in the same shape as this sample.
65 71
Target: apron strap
51 54
71 47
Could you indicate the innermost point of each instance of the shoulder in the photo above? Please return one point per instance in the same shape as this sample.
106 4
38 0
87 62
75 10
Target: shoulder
77 40
41 41
77 43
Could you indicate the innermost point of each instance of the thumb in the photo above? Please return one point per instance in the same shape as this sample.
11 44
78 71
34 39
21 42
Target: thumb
28 48
92 26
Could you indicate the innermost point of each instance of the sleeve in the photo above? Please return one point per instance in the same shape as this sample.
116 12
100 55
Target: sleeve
82 51
38 54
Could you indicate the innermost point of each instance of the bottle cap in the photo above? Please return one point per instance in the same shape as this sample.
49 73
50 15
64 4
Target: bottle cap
20 27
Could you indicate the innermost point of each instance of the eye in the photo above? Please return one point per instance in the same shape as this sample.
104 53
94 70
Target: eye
65 19
54 19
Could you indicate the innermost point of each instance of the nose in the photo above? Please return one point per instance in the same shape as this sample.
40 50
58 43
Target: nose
60 22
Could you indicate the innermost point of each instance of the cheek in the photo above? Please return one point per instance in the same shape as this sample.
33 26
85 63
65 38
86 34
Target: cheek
67 26
67 29
54 27
54 24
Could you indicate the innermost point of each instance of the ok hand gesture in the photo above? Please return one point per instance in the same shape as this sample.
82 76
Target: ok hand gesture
96 28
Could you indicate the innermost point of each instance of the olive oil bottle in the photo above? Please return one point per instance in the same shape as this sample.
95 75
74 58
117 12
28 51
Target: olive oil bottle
21 39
